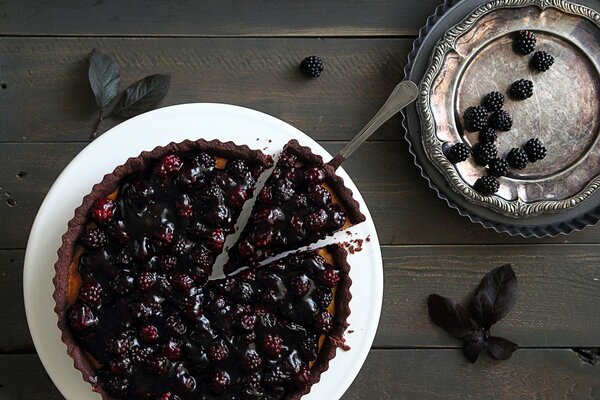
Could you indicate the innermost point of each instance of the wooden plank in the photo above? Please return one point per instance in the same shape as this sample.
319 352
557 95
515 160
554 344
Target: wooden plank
14 335
557 303
215 18
399 374
404 209
546 273
444 374
45 96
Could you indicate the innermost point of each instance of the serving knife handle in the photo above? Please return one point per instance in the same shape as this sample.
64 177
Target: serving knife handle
403 94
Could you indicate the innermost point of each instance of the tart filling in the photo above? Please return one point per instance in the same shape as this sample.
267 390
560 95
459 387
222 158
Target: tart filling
136 309
302 202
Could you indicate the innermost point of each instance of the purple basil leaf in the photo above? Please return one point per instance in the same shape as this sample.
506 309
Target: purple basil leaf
500 348
142 96
104 79
450 316
473 346
495 296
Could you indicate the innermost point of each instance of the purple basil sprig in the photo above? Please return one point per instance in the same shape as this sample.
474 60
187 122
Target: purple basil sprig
492 301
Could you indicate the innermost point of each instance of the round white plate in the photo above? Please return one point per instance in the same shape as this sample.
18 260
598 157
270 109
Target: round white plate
160 127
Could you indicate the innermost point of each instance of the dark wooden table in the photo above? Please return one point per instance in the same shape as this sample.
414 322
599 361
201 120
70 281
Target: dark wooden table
247 53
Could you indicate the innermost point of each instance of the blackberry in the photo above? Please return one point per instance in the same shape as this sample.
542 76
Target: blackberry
493 101
145 280
498 167
91 293
323 322
524 42
303 377
458 152
312 66
535 149
521 89
501 120
168 165
273 345
487 185
237 168
157 364
149 333
488 135
94 239
167 262
484 153
315 221
541 61
103 210
251 361
246 322
300 285
309 348
220 381
217 352
476 118
517 158
330 277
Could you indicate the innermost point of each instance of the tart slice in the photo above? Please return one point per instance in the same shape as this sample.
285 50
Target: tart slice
139 247
302 202
282 323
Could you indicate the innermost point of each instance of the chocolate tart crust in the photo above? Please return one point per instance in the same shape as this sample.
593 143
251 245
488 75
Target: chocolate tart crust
342 311
336 182
76 226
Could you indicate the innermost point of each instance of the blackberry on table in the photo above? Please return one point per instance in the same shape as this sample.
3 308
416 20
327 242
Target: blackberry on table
488 135
541 61
475 118
535 149
493 101
484 153
525 42
459 152
517 158
521 89
501 120
312 66
487 185
498 167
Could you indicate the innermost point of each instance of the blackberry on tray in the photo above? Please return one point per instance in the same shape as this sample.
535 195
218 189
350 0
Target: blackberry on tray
517 158
525 42
521 89
498 167
493 101
459 152
541 61
501 120
535 149
484 153
488 135
487 185
476 118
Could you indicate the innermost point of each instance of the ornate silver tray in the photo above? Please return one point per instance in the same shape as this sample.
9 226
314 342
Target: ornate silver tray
444 26
476 57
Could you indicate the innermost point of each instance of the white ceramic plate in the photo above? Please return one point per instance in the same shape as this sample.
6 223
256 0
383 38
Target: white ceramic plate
160 127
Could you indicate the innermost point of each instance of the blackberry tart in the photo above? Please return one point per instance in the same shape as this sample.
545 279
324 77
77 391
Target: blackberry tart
135 305
302 202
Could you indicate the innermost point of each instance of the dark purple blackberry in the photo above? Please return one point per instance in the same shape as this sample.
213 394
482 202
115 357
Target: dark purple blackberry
541 61
300 285
217 352
501 120
330 277
488 135
237 168
251 361
309 348
168 262
517 158
315 221
524 42
487 185
484 153
123 258
323 322
94 239
459 152
312 66
476 118
157 364
246 322
272 345
81 318
145 280
91 293
535 149
498 167
303 377
493 101
149 333
323 298
521 89
220 381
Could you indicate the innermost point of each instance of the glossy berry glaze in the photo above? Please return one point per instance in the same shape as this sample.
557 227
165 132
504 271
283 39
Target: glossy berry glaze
302 202
153 324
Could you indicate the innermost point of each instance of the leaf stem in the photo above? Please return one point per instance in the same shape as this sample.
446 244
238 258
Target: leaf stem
97 125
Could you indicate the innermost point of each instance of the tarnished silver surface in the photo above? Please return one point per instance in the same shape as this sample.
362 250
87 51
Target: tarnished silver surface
476 57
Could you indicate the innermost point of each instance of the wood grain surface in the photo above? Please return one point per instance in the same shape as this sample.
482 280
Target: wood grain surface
214 17
53 100
247 53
